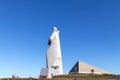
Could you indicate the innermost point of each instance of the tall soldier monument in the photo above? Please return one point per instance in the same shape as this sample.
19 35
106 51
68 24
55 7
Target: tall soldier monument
53 56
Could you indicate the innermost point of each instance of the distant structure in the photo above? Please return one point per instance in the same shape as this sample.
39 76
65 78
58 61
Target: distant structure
81 67
13 76
53 56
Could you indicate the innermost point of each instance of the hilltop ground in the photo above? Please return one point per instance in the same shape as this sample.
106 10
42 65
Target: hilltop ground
74 77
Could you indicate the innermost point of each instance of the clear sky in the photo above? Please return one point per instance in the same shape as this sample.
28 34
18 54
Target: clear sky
89 31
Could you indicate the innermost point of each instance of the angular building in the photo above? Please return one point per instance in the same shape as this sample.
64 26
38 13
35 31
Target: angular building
81 67
53 56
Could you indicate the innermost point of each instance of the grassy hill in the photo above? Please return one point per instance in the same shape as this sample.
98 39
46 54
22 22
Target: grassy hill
74 77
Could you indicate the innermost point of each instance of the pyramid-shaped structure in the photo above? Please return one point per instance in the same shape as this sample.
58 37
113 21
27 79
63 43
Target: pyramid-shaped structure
81 67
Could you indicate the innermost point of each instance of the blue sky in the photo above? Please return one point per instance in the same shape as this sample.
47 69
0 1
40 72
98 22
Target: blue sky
89 31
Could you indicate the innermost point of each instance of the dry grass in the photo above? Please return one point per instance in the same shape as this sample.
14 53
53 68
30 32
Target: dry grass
74 77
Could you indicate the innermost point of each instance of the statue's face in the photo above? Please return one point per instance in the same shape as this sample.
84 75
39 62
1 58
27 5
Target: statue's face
54 29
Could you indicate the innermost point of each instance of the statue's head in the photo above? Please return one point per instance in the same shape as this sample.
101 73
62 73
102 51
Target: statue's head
54 29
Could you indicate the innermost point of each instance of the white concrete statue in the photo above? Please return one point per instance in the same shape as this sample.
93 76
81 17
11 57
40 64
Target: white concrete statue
54 59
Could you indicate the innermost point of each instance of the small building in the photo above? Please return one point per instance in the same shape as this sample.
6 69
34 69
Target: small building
81 67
